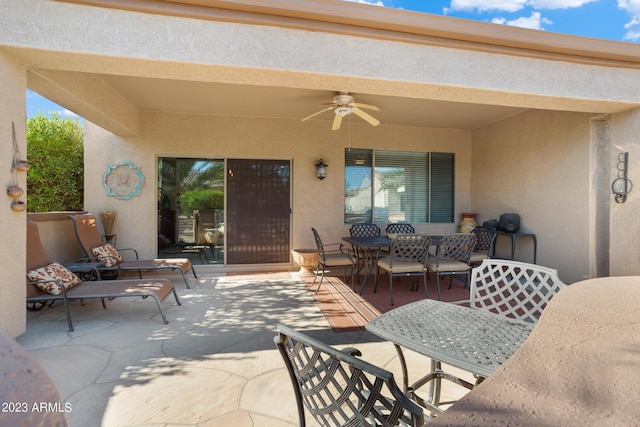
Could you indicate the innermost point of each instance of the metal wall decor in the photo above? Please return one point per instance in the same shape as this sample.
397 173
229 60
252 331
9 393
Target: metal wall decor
622 185
123 180
17 165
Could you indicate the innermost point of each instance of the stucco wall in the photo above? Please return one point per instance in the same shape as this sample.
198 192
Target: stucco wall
537 164
315 203
12 224
624 222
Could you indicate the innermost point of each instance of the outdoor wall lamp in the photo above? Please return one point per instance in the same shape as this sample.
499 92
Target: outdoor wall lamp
321 169
622 186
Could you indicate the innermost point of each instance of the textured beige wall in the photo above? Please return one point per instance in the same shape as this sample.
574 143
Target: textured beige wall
315 203
13 85
537 164
624 218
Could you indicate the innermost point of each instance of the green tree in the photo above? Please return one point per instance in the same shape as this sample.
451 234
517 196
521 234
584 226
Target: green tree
55 150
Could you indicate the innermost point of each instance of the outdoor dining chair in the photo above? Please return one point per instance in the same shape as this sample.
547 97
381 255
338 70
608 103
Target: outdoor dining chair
338 389
452 258
362 229
407 257
485 239
337 256
399 228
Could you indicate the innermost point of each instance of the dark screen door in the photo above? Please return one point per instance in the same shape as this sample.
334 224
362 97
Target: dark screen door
258 211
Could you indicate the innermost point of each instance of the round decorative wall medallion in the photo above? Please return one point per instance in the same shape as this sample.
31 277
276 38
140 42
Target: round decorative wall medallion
123 180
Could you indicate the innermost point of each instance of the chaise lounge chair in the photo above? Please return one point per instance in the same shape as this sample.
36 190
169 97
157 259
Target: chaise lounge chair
49 282
96 251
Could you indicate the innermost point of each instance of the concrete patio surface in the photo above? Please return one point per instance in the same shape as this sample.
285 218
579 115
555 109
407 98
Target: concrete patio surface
214 364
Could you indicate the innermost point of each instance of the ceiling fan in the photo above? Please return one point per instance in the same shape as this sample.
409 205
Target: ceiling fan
343 105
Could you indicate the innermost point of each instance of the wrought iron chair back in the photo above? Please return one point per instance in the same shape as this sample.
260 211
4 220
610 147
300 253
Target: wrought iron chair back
319 244
457 246
400 228
364 230
338 389
410 247
485 239
407 257
514 289
452 258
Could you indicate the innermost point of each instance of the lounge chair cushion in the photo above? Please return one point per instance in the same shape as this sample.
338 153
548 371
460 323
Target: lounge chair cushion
57 272
107 254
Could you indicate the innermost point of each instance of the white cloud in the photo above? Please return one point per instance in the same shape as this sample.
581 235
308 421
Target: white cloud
557 4
487 5
633 29
632 7
371 2
515 5
533 22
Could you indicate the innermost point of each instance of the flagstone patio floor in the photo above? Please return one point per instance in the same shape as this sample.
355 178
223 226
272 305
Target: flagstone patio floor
214 364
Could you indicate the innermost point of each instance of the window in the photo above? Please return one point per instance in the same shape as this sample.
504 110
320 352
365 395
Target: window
398 186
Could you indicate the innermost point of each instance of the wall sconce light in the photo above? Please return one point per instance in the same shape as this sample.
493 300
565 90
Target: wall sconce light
622 186
321 169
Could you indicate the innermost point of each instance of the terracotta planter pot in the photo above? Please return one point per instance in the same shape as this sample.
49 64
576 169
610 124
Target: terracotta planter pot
18 206
15 191
22 165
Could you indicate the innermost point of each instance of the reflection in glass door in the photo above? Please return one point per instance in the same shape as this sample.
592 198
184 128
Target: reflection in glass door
191 209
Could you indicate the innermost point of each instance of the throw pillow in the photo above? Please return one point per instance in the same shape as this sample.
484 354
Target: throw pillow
57 272
107 254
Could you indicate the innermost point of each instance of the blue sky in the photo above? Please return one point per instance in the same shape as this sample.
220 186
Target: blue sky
604 19
617 20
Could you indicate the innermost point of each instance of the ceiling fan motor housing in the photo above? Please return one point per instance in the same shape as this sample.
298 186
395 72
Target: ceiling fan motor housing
343 99
342 110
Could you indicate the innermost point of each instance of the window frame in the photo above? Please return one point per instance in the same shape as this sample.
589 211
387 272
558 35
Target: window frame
438 182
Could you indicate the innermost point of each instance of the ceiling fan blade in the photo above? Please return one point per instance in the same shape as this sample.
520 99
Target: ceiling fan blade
337 121
319 112
366 116
367 106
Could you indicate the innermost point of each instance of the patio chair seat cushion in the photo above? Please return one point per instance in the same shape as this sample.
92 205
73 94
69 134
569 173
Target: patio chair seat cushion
446 265
478 257
337 259
57 275
400 266
107 254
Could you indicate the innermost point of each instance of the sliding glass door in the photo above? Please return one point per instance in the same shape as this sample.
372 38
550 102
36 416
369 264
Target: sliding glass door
191 210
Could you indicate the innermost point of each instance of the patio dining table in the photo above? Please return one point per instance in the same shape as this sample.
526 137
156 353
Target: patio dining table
474 340
369 247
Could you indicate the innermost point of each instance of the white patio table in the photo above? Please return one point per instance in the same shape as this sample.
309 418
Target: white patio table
474 340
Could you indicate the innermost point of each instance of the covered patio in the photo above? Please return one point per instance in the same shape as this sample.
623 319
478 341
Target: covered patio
214 364
535 121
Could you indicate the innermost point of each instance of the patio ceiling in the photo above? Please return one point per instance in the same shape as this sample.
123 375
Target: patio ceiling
214 98
148 94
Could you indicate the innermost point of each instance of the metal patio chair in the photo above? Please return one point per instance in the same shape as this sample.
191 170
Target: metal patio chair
338 257
452 258
400 228
407 257
362 229
514 289
338 389
485 241
96 250
48 282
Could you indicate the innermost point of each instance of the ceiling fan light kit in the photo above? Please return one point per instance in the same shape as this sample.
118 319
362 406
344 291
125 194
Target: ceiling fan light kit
344 104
